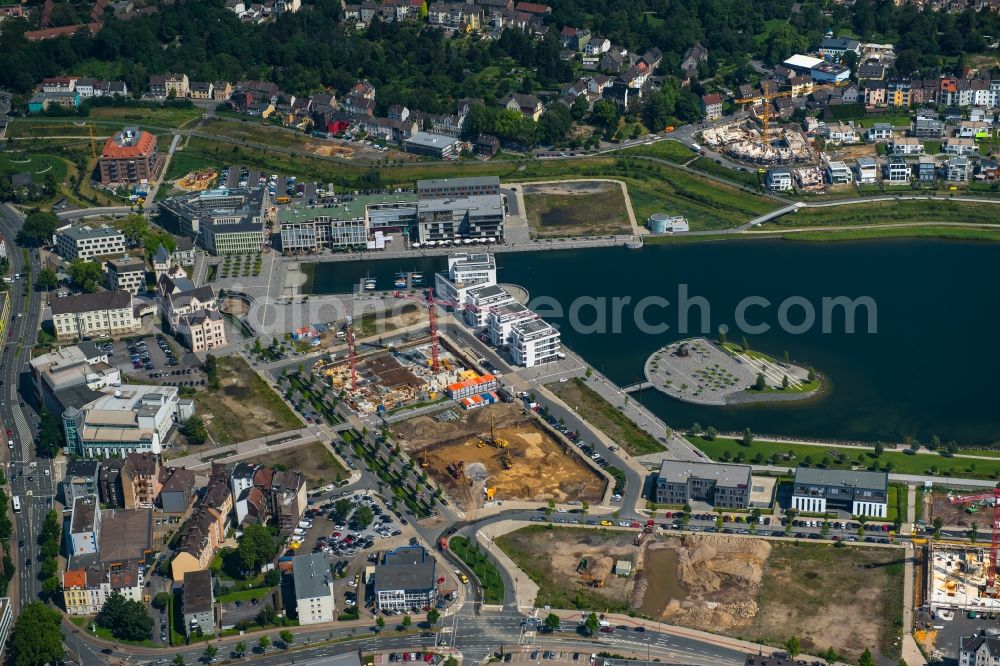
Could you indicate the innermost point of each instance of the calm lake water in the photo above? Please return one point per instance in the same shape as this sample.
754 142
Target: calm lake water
927 370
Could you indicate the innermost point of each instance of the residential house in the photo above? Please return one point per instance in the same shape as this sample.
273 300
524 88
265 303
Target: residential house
711 106
906 145
866 170
896 170
221 91
87 584
574 38
850 94
979 650
801 85
956 169
870 71
487 145
959 146
533 8
203 532
879 132
85 526
528 105
694 56
874 93
140 480
176 489
202 90
838 173
198 603
778 179
596 46
898 93
988 169
925 127
973 129
926 169
841 133
80 480
613 61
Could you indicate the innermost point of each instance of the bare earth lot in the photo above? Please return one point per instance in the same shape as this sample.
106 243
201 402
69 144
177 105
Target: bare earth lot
542 468
591 208
845 598
314 460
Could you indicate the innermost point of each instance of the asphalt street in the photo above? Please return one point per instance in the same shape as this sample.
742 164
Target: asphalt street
30 480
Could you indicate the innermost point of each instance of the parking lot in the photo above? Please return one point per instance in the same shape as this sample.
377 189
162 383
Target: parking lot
351 548
154 359
279 186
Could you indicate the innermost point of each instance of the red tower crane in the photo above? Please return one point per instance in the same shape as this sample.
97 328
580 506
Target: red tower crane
349 330
991 496
432 314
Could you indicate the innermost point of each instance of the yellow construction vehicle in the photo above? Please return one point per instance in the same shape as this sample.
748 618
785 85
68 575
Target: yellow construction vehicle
505 460
423 458
490 493
492 439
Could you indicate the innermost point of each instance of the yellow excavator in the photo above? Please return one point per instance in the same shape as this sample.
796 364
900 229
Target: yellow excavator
492 439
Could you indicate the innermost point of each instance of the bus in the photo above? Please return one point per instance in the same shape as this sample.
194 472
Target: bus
17 504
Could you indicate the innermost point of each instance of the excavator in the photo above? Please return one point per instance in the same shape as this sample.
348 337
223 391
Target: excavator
492 439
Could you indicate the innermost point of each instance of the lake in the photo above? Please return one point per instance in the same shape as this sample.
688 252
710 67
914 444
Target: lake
925 370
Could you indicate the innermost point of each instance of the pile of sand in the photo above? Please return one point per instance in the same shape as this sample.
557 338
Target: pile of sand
707 563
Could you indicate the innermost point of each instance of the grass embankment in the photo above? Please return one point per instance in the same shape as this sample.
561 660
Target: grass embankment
804 385
891 212
605 417
586 213
726 449
670 150
484 568
314 460
848 598
244 406
899 231
709 166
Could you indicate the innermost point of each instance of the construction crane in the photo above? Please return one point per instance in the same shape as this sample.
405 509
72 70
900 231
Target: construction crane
768 95
432 310
987 497
93 142
351 352
492 439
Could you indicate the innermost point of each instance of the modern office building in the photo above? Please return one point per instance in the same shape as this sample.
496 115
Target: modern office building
103 314
346 224
223 221
127 274
534 342
858 492
405 579
88 242
72 376
432 145
313 581
722 485
451 188
449 219
130 156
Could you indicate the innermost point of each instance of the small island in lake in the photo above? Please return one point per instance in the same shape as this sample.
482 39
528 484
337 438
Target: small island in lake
703 372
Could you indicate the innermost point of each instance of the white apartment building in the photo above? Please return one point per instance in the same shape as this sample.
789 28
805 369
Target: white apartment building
313 589
501 320
907 145
104 314
534 342
479 301
127 274
867 170
86 243
465 271
897 171
837 173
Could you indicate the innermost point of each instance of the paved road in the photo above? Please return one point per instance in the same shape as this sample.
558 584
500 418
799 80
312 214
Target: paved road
30 480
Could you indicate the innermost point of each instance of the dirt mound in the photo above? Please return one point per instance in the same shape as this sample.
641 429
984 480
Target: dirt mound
601 567
709 562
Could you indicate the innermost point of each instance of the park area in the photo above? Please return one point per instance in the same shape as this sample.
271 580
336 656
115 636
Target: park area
576 208
846 457
605 417
243 407
533 466
847 598
315 460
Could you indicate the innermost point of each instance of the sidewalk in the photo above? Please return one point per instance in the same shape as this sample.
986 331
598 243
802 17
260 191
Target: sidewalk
525 589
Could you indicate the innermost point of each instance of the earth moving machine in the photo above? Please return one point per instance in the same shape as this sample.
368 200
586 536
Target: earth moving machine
423 458
505 460
457 469
493 440
990 497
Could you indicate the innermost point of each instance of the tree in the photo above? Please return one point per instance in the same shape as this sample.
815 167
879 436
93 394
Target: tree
36 639
161 600
126 618
604 114
747 439
50 435
784 382
711 433
866 658
153 239
555 123
209 653
194 430
342 508
973 533
937 523
286 637
380 622
592 623
47 279
364 516
433 615
585 506
240 649
579 108
256 547
552 622
178 660
406 621
696 428
37 229
811 377
263 643
792 647
879 449
761 382
134 227
86 275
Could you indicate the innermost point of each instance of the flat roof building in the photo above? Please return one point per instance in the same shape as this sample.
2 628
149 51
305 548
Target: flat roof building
88 242
534 342
458 218
436 188
346 224
432 145
313 588
223 221
720 484
85 525
405 579
861 493
127 274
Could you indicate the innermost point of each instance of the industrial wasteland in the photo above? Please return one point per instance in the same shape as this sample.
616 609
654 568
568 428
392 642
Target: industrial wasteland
577 332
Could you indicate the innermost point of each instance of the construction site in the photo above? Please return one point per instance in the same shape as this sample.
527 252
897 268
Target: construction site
499 452
744 140
196 181
964 577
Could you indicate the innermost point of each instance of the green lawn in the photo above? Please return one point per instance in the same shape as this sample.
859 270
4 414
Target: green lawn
950 233
709 166
605 417
670 150
163 117
37 164
725 449
597 212
244 595
257 132
483 567
891 212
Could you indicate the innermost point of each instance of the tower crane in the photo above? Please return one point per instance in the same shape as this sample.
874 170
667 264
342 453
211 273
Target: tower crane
994 497
768 94
351 353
